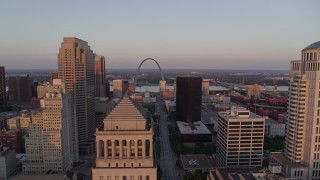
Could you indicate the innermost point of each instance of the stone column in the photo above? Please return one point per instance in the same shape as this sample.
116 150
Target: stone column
128 149
97 148
143 149
121 149
136 149
151 148
114 149
105 149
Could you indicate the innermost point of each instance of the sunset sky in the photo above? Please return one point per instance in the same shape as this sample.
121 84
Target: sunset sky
245 34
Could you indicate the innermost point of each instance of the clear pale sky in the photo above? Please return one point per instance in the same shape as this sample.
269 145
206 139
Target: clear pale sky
246 34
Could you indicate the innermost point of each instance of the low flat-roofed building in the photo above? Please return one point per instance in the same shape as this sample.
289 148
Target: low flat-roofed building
243 173
194 133
12 139
13 123
4 116
196 163
288 168
7 162
274 128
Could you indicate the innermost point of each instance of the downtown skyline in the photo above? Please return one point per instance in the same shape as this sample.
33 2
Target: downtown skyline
212 35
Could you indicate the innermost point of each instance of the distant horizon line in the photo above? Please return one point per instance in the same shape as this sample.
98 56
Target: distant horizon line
167 69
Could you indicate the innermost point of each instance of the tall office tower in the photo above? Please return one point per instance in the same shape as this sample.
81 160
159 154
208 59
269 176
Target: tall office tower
100 76
49 142
117 88
240 139
162 85
302 149
124 147
34 88
2 89
107 88
175 91
188 100
76 68
20 89
205 87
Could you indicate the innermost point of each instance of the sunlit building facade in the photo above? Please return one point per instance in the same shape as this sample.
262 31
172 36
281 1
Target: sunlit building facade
49 141
100 76
240 139
301 159
124 147
76 68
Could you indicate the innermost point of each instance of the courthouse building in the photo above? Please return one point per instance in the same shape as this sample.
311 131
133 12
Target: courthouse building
124 148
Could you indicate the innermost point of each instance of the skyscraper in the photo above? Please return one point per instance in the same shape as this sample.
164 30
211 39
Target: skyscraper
124 146
100 76
49 141
188 98
76 68
239 139
302 149
2 89
20 89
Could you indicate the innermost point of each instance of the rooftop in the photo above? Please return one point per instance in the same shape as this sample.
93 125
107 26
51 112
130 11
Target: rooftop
238 113
235 172
195 161
280 157
185 128
315 45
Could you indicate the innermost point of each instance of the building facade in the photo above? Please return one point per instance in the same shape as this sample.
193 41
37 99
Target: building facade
100 76
124 147
49 141
3 96
12 139
303 117
76 68
188 100
7 163
240 139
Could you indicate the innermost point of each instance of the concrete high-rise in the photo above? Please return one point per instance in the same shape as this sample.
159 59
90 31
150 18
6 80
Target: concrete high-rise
301 159
240 139
76 68
100 76
2 89
124 146
49 141
188 98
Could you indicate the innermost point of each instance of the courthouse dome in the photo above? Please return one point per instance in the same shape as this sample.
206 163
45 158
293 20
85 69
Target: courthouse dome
315 45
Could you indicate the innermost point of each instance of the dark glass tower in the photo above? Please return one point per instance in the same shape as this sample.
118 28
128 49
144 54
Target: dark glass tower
188 100
2 89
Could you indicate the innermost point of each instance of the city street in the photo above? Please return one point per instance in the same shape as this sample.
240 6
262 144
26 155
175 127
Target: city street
168 157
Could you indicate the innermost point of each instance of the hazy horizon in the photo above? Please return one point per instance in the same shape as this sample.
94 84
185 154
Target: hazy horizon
258 35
